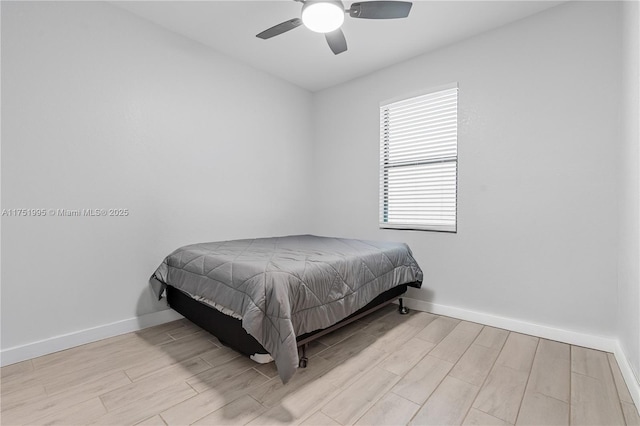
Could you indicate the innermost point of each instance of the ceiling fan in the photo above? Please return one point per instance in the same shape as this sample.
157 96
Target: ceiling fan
327 16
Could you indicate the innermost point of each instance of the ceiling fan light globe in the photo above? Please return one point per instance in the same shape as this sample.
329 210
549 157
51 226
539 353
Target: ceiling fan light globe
322 16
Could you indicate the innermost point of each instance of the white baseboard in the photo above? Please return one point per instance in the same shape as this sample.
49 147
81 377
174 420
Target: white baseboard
632 381
606 344
587 340
70 340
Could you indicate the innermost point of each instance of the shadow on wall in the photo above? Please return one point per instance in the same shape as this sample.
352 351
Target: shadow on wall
424 293
148 303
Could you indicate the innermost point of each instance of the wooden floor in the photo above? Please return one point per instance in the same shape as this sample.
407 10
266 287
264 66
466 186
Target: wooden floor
388 369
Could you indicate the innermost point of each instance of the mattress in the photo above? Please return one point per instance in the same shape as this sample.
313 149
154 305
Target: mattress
284 287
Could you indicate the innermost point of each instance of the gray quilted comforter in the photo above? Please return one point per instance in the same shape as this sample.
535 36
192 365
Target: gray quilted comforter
286 286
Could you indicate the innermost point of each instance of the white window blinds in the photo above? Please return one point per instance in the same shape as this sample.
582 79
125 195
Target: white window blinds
418 162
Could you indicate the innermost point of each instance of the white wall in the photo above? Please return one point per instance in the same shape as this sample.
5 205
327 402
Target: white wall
101 109
629 222
537 219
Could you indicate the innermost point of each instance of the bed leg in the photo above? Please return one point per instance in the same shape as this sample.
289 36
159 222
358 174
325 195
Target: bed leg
401 308
303 359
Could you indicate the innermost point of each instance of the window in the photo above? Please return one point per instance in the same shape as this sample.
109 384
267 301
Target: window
419 161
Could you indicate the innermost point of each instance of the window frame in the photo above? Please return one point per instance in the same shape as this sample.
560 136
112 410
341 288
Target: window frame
384 165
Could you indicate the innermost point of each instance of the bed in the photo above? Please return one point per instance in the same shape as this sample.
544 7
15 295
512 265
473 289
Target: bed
268 296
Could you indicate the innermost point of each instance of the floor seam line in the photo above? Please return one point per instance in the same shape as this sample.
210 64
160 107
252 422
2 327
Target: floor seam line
493 366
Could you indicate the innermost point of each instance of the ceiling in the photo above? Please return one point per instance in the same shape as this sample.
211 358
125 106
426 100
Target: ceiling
304 58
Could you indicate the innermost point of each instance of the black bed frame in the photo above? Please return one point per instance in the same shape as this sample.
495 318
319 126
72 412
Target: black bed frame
230 332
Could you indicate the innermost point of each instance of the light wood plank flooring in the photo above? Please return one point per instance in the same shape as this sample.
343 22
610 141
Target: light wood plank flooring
386 369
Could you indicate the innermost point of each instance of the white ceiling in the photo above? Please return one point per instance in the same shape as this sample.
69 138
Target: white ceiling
304 58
